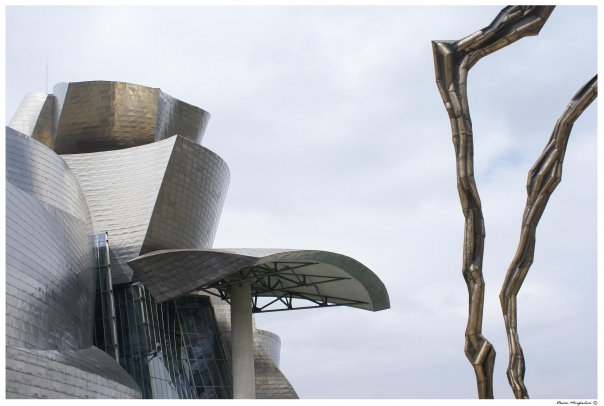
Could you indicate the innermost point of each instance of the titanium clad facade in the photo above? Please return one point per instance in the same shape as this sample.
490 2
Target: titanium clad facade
50 282
87 373
112 206
101 116
25 118
49 276
272 345
121 188
59 91
36 170
49 252
177 117
35 117
130 166
168 194
189 203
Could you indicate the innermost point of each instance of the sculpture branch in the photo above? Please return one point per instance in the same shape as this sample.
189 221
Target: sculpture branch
543 178
452 61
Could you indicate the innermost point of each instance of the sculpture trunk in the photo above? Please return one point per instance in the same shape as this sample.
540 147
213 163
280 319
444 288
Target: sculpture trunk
543 178
452 62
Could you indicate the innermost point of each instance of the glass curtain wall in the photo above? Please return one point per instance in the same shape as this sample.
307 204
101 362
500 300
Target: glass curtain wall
172 349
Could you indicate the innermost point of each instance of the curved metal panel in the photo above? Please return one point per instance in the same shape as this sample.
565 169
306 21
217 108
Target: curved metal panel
362 280
317 275
37 170
87 373
168 194
25 118
171 273
50 258
121 188
271 383
189 203
177 117
271 343
102 116
50 275
50 283
59 91
45 127
35 117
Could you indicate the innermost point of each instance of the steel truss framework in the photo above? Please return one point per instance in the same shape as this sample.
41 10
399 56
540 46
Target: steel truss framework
280 280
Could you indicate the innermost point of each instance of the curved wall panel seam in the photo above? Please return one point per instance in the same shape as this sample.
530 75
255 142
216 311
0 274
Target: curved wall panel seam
121 187
35 169
187 208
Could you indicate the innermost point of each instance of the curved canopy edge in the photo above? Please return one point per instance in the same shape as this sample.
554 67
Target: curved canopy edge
321 277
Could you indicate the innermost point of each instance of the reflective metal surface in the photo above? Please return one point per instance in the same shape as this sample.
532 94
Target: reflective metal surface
271 343
53 374
50 282
124 171
543 178
26 117
38 171
48 248
35 117
168 194
453 60
177 117
189 203
316 278
121 188
101 116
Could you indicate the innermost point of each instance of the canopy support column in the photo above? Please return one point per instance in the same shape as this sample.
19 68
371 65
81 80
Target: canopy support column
242 353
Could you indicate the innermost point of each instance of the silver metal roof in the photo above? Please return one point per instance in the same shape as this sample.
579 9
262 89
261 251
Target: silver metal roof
281 279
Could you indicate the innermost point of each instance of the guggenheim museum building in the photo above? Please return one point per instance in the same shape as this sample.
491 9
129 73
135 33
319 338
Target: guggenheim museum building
113 287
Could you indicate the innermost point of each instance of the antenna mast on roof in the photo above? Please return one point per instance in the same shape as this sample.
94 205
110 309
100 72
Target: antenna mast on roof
46 77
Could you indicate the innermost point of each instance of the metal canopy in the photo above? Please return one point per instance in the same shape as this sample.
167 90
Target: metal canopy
280 279
283 282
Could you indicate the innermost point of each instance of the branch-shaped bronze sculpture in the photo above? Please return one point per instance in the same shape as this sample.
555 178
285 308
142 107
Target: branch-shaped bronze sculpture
452 61
543 178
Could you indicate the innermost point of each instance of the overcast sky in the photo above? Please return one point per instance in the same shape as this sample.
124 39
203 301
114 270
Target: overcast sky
337 139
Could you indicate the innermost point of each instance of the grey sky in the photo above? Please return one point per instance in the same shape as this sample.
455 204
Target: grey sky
336 138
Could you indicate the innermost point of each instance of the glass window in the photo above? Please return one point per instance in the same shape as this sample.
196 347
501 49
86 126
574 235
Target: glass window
172 349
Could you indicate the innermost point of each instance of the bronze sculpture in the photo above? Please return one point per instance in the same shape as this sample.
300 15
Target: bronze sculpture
452 61
543 178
